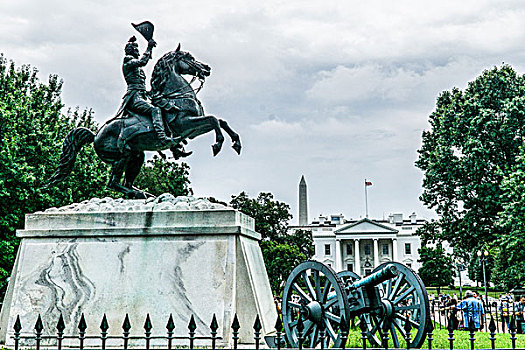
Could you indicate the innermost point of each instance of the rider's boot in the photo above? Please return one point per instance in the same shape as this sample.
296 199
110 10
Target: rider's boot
158 125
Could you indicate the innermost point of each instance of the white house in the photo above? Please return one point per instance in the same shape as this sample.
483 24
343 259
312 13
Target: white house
361 245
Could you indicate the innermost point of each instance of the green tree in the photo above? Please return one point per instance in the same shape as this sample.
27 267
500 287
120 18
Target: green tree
436 269
282 250
32 128
510 262
473 142
159 176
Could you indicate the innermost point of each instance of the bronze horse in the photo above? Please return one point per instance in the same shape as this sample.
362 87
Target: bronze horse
121 142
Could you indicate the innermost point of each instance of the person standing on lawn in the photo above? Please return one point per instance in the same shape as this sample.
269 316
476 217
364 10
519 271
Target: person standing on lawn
472 310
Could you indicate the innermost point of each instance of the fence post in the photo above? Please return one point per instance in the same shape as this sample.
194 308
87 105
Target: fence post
300 329
192 326
17 327
170 326
429 334
384 334
38 330
512 328
235 328
363 327
82 331
147 330
451 331
257 331
472 329
343 326
126 326
322 334
278 328
408 328
492 329
60 331
104 331
213 327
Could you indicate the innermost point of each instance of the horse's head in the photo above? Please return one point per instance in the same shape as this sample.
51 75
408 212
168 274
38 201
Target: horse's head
185 63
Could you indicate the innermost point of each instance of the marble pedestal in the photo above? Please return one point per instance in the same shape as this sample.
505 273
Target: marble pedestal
161 257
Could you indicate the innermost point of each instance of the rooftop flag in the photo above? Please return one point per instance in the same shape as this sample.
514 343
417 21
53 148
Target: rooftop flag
368 183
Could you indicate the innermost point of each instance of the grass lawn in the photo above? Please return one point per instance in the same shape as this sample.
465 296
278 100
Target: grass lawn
441 340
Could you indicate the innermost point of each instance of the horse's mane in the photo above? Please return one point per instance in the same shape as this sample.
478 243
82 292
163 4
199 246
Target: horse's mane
161 71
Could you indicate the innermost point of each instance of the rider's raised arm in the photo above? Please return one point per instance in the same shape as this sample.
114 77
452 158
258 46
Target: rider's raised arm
132 62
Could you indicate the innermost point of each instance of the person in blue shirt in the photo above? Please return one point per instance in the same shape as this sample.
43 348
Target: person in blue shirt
472 307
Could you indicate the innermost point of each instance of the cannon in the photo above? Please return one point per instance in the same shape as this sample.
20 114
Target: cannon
320 305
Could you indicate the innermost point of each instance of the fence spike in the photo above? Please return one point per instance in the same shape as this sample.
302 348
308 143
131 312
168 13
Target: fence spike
278 324
214 325
126 326
235 323
18 326
257 325
82 324
38 325
104 326
170 326
192 326
61 325
147 324
492 324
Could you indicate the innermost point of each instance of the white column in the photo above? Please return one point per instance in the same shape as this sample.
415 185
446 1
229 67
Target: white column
357 268
394 249
338 257
376 253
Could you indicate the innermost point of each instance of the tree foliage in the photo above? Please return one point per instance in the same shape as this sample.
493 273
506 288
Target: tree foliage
282 248
159 176
436 268
510 263
472 145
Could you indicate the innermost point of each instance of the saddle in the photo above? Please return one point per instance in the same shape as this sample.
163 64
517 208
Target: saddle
134 124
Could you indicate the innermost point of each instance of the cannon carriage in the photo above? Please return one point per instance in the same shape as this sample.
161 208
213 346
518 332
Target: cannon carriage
319 305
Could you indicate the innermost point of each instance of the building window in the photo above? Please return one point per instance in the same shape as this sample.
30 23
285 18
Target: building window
408 248
349 249
368 272
350 267
409 266
327 249
385 249
367 248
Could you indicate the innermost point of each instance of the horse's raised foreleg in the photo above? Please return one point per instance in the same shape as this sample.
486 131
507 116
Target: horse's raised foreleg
201 125
233 135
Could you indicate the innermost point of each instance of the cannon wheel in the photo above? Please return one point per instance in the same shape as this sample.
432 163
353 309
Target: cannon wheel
408 297
315 294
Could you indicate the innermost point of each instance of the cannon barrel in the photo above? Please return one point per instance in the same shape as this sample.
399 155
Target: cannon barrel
386 273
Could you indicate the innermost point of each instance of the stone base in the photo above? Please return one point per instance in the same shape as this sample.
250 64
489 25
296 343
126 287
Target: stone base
159 262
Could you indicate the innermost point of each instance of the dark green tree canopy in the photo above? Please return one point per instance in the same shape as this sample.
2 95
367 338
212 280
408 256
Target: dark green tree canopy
473 142
436 269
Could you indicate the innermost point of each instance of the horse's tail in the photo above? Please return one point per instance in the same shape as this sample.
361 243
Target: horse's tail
73 143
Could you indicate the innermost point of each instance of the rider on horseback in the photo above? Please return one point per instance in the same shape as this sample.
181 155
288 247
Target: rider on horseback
135 99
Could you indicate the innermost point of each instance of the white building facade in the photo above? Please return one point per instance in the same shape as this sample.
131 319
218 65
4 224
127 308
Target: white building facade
362 245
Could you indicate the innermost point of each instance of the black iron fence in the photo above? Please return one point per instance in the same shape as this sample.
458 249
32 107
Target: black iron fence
277 339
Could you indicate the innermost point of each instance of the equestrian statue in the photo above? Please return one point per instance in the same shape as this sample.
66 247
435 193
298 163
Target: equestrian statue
163 118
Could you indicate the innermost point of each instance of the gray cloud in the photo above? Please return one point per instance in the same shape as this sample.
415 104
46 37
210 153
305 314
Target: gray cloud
336 90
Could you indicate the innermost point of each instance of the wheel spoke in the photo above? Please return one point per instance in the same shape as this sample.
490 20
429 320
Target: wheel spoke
313 338
307 327
294 305
333 317
412 322
317 282
409 307
330 330
404 295
301 292
308 285
326 290
330 303
399 279
395 322
394 336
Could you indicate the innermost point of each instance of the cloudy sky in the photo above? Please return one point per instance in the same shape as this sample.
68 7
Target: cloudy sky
337 91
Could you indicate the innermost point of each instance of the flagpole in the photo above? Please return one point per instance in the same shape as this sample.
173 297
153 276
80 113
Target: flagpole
366 200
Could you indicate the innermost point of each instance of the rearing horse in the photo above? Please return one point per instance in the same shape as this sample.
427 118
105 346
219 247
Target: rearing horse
121 142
